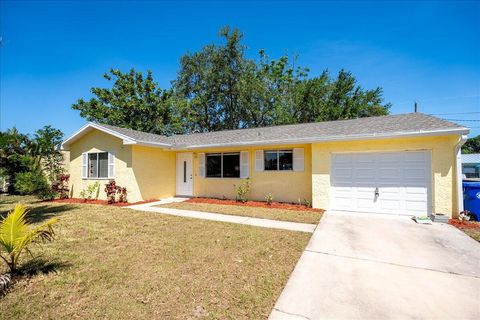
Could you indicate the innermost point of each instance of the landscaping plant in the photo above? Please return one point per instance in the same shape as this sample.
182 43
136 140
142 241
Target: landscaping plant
242 191
269 198
16 235
33 182
112 190
87 194
60 186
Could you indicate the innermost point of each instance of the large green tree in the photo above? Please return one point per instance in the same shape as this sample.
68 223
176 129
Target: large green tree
472 145
40 156
219 87
135 102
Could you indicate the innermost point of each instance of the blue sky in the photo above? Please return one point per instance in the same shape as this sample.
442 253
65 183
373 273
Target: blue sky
53 52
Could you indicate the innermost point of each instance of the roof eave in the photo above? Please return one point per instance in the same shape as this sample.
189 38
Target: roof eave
374 136
87 127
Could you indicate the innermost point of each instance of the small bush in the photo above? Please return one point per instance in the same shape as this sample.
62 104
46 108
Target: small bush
89 191
112 190
60 186
304 202
269 198
33 182
242 191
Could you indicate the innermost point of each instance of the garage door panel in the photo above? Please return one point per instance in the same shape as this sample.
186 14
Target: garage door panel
402 179
364 173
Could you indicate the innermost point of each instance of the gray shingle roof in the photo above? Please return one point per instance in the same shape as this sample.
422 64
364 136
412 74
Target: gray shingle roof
401 124
138 135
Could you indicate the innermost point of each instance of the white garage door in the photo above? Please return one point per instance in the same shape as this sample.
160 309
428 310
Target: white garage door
387 182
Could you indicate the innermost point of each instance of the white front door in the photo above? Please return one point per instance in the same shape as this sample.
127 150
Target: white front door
185 174
383 182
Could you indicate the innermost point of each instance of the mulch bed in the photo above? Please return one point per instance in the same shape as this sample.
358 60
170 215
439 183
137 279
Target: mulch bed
101 202
258 204
464 224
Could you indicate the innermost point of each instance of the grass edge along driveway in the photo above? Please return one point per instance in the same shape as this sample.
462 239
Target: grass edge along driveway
109 262
312 217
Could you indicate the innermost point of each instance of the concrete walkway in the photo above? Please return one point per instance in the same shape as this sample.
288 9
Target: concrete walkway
366 266
258 222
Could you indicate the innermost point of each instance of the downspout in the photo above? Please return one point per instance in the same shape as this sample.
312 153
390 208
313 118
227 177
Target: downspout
459 175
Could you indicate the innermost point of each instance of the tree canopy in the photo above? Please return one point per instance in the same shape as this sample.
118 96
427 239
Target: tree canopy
219 87
472 145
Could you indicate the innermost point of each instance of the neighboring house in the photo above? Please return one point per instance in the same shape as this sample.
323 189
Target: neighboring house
398 164
471 165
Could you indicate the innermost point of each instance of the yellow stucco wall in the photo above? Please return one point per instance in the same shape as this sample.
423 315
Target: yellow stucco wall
147 173
286 186
444 199
154 171
97 141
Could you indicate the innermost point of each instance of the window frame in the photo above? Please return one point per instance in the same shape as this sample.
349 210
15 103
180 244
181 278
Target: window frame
277 152
88 177
221 164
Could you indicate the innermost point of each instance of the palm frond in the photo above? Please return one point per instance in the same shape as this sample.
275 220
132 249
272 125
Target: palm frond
16 234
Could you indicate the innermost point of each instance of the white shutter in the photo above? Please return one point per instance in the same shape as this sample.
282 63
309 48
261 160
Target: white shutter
259 162
244 170
298 159
111 165
201 164
84 165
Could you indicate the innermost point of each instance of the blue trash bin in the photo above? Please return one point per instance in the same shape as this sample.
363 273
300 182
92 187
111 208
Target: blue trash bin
471 197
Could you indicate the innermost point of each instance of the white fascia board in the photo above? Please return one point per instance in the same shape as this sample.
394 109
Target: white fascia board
150 144
460 131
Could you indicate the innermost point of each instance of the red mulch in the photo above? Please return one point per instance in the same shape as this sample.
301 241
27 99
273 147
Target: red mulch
464 224
101 202
275 205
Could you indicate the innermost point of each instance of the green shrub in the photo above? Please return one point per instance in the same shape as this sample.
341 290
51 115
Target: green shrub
242 191
269 198
90 190
33 182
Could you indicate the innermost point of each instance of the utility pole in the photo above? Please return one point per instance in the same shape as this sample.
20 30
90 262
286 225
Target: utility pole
416 106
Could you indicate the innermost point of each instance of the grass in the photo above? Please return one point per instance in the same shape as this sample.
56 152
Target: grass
473 233
115 263
266 213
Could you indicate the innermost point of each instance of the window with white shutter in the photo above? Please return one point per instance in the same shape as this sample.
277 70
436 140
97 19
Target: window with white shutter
111 165
201 164
259 164
244 167
84 165
298 159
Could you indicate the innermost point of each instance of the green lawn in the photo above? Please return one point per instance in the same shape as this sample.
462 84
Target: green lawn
115 263
266 213
473 233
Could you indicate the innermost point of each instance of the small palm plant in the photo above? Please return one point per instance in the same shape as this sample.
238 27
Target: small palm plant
16 235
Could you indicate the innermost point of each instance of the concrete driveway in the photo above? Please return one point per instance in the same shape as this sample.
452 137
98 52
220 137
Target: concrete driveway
367 266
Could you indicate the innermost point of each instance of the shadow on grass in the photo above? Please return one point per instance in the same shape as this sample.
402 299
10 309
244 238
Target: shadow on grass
40 265
41 213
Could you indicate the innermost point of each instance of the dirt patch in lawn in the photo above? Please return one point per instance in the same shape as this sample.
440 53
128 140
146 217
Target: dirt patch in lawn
117 263
256 204
304 216
471 228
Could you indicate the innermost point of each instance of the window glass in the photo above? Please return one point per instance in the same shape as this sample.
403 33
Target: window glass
214 165
184 171
285 160
92 165
103 165
271 160
231 165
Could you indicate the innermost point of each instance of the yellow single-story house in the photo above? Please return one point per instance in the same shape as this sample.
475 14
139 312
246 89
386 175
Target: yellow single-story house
398 164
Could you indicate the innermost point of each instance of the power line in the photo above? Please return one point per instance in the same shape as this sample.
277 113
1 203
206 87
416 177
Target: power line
453 113
474 120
